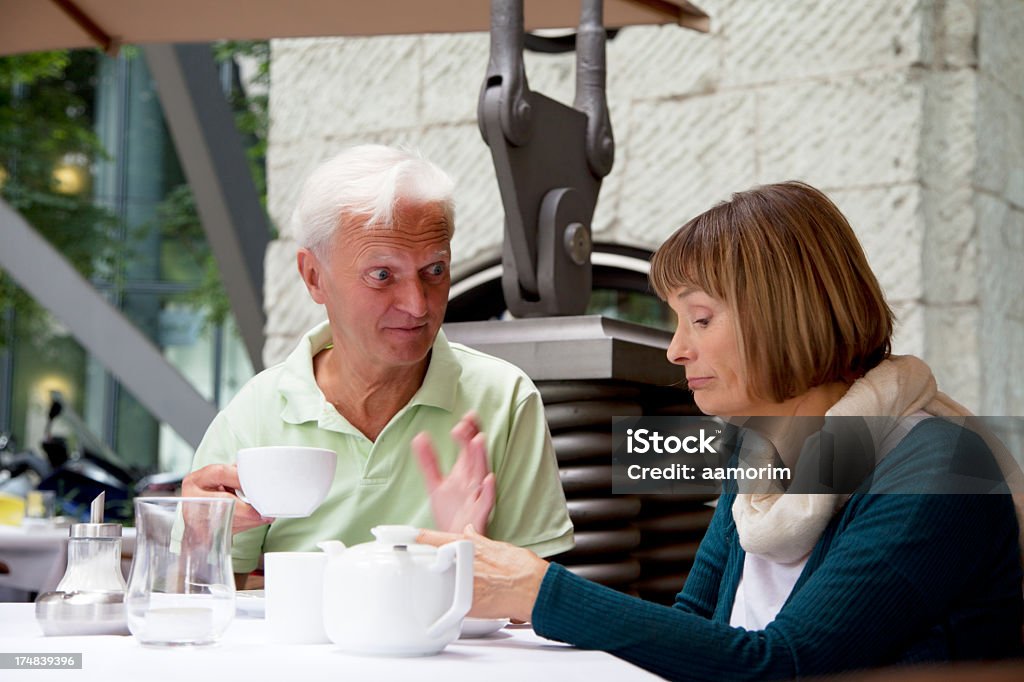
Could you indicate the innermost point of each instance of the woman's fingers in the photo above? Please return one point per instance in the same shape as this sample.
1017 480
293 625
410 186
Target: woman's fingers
436 537
506 578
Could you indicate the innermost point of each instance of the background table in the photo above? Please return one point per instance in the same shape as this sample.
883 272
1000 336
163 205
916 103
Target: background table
35 557
515 653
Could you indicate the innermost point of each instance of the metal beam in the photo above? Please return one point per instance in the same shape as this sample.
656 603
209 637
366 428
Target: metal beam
101 328
212 154
576 348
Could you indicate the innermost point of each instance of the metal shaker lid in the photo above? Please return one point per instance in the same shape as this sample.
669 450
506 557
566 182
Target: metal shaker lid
96 528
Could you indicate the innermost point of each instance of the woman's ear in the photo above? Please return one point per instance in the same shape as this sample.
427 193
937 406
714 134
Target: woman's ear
312 273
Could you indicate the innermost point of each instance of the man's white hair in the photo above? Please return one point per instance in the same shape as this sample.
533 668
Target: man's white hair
365 184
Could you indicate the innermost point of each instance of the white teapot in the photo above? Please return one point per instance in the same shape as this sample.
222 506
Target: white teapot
394 597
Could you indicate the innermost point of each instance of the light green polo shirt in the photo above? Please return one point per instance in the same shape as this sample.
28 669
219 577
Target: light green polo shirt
380 482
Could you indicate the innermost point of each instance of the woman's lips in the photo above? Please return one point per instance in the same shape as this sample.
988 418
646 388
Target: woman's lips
697 382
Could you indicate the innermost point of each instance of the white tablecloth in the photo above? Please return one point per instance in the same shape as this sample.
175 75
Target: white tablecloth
245 654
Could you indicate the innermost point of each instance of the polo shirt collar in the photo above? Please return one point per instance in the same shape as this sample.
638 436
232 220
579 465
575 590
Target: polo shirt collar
442 378
303 401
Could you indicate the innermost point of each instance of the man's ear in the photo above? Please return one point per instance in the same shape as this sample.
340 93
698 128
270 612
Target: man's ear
312 273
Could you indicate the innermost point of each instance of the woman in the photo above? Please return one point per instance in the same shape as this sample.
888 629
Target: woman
779 316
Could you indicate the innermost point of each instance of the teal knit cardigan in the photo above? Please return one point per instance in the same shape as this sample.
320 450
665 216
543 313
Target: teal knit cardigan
895 578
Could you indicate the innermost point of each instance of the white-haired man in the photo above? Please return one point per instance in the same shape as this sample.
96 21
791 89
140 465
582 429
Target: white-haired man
379 379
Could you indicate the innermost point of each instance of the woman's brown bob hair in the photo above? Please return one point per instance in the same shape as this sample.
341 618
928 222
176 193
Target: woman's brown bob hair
789 266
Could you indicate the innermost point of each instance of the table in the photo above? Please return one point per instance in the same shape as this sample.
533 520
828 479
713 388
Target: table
36 557
514 653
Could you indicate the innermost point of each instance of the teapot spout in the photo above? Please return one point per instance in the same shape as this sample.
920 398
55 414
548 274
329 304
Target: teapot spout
332 548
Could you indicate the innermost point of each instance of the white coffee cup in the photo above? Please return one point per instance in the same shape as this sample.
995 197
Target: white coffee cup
294 596
285 481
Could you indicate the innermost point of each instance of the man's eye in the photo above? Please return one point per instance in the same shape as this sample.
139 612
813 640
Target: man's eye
380 274
437 269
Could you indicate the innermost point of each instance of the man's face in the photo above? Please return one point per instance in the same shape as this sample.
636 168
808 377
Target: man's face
386 288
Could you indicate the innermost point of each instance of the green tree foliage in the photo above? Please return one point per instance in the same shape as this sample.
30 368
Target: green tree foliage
251 103
45 119
46 101
177 217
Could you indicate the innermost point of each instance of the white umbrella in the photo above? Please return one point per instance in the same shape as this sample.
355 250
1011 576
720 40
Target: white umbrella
31 25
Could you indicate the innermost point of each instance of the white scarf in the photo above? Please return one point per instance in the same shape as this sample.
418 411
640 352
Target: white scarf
784 528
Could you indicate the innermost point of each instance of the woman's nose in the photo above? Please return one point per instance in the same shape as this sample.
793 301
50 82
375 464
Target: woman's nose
679 351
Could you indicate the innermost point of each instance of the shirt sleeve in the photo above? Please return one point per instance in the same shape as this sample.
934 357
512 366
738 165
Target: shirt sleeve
530 509
220 445
892 574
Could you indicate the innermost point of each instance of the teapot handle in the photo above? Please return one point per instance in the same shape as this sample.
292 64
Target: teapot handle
463 599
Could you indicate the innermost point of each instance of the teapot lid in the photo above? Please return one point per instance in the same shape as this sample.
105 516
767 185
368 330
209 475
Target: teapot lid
395 535
390 541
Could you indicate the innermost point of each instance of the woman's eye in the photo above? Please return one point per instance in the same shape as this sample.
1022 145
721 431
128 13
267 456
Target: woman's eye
380 274
702 322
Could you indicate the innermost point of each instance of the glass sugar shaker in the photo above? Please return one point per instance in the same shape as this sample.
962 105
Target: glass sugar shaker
89 600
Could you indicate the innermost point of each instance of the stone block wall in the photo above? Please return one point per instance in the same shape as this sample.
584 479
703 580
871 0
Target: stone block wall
910 114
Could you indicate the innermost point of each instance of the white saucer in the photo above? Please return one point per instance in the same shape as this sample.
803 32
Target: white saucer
473 628
250 603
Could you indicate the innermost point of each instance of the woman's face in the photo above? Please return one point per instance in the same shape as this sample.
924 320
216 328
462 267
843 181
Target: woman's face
706 344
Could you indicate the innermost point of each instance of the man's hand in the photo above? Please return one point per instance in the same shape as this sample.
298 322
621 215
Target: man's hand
221 480
466 494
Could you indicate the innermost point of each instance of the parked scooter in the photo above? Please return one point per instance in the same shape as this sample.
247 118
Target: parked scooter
20 472
79 476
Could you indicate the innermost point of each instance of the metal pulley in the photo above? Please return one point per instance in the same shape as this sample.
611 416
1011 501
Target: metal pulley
549 159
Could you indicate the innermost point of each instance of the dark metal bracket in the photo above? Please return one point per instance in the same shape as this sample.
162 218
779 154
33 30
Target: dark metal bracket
549 159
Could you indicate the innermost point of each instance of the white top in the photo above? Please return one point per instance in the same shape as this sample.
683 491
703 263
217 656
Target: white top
764 587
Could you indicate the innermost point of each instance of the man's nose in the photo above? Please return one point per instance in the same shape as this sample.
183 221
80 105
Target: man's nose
412 298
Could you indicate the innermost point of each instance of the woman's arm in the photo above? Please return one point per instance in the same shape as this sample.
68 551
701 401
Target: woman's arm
700 592
889 577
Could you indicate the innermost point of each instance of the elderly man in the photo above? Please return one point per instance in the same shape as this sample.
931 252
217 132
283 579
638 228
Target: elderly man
379 381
